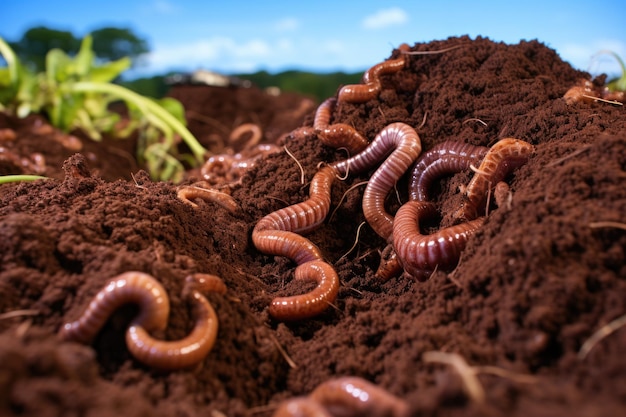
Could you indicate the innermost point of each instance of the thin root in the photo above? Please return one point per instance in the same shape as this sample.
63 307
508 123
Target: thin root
302 176
603 332
18 313
598 225
343 197
356 241
471 384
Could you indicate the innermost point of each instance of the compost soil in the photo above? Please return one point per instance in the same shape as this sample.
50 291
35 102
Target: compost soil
533 284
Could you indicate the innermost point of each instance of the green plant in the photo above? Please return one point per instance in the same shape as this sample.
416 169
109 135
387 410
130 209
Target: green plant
619 83
75 93
5 179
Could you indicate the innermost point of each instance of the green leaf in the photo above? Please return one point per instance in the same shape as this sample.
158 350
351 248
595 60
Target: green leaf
108 72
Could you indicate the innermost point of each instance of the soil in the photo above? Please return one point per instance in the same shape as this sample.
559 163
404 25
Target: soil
532 285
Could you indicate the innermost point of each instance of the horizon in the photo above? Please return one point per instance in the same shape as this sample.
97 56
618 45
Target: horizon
241 38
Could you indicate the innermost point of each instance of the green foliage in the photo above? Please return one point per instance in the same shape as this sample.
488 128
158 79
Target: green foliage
5 179
75 93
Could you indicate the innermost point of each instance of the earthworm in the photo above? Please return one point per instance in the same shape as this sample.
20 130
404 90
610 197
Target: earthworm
299 307
360 93
144 290
389 265
407 146
241 130
189 192
354 396
445 158
277 234
502 158
337 135
421 254
227 168
301 407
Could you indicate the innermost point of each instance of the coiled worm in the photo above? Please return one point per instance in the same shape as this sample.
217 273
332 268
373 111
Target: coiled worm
299 307
278 233
502 158
406 146
252 128
421 254
187 193
445 158
337 135
144 290
360 93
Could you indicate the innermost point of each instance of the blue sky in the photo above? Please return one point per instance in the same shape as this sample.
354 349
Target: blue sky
244 36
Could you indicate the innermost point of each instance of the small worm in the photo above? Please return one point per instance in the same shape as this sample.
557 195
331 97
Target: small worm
337 135
389 266
421 254
149 294
501 159
241 130
443 159
360 93
301 407
299 307
407 146
189 192
355 397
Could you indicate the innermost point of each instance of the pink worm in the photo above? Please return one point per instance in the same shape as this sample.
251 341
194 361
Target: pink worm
445 158
190 192
360 93
337 135
142 289
421 254
278 234
407 146
502 158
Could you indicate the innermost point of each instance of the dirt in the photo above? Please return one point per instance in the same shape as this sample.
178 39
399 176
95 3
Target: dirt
532 285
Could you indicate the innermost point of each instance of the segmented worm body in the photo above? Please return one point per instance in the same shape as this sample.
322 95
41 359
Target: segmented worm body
337 135
360 93
443 159
253 129
278 234
227 168
389 266
501 159
189 192
406 146
421 254
142 289
299 307
301 407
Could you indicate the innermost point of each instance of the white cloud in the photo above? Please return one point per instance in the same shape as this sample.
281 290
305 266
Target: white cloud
288 24
385 18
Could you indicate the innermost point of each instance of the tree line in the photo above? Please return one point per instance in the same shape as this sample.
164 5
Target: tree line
111 43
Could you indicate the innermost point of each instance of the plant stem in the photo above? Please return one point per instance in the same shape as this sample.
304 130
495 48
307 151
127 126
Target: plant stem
5 179
146 106
9 56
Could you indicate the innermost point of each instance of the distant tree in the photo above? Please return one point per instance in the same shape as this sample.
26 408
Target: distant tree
36 42
111 43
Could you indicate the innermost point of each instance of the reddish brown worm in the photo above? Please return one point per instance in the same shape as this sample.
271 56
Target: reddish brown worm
502 158
406 146
337 135
355 397
443 159
241 130
421 254
313 303
301 407
389 266
360 93
278 234
144 290
188 193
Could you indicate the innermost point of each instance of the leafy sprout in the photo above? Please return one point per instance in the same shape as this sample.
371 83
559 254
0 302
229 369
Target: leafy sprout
75 93
5 179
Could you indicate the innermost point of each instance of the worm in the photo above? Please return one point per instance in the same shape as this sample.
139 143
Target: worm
389 266
501 159
407 146
360 93
421 254
189 192
299 307
278 233
354 397
337 135
241 130
301 407
144 290
443 159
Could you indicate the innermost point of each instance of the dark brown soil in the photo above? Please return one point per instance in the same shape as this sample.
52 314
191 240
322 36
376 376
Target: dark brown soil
531 287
